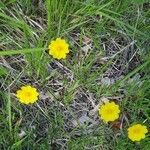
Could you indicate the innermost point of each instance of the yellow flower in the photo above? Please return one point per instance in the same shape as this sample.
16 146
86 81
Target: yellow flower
59 48
109 111
137 132
27 94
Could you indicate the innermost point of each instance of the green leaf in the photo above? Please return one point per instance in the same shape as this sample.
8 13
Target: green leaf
3 71
23 51
139 1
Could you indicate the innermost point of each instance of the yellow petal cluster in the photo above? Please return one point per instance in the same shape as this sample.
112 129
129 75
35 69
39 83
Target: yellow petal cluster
27 94
59 48
109 111
137 132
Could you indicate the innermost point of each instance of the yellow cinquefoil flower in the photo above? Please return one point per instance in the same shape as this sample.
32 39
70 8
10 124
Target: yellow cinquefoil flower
109 111
59 48
137 132
27 94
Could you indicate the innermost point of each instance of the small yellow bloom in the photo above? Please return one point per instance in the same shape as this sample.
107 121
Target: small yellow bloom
59 48
27 94
137 132
109 111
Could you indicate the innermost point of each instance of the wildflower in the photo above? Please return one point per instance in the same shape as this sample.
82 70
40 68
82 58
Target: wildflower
27 94
59 48
137 132
109 111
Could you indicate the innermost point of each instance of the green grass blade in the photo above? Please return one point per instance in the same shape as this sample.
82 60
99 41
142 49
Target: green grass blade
23 51
9 112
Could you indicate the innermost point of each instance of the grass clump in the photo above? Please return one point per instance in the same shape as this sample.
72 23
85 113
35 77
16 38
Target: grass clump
108 60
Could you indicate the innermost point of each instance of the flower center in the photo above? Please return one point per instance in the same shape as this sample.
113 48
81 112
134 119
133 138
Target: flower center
136 131
109 111
28 94
59 48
